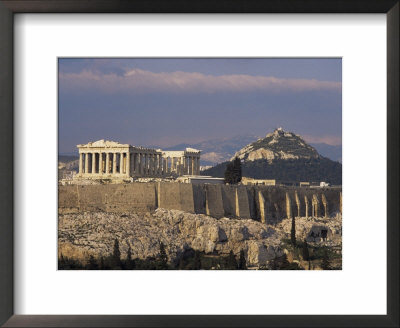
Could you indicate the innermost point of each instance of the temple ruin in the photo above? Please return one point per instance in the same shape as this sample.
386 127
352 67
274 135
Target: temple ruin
111 160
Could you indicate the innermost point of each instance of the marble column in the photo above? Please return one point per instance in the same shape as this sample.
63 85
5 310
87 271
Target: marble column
141 164
146 164
194 165
155 157
137 163
151 166
80 163
107 163
179 166
185 165
100 163
93 163
128 163
86 163
121 163
143 160
114 168
198 165
165 166
190 165
150 161
159 164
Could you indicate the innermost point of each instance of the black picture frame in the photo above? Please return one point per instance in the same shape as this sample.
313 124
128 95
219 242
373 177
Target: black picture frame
10 7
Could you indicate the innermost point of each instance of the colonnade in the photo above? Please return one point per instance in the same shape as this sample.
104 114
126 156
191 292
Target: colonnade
183 165
104 163
130 163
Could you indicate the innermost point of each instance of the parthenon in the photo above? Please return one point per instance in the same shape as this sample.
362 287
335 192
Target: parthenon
108 159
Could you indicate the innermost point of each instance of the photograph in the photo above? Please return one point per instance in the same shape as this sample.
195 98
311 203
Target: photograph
199 163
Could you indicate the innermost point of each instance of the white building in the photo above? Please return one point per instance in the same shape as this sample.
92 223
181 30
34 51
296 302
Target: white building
111 160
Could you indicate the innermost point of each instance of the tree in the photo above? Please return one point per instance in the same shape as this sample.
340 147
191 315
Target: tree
102 266
92 265
242 261
305 252
231 261
326 263
129 253
237 170
293 232
130 264
116 257
280 263
233 171
229 173
197 261
274 264
163 257
182 264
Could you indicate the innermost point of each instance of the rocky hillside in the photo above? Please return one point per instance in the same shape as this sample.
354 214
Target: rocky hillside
68 162
285 157
277 145
93 233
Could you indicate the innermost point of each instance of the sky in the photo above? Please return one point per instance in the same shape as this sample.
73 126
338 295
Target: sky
165 102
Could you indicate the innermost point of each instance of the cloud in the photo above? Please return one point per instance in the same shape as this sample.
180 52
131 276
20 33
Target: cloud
139 81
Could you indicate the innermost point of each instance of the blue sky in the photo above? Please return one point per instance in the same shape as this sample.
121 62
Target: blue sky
163 102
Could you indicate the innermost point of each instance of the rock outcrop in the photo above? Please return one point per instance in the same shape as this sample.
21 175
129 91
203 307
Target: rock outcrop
322 230
93 233
277 145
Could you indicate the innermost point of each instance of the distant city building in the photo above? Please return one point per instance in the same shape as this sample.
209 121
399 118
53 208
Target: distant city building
111 160
67 174
251 181
199 179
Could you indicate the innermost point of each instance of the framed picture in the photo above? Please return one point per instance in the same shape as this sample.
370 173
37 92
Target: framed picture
166 169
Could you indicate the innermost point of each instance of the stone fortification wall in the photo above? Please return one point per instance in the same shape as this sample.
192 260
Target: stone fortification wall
214 201
269 204
177 196
109 198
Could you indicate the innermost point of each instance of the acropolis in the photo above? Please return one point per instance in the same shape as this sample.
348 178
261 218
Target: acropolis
111 160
